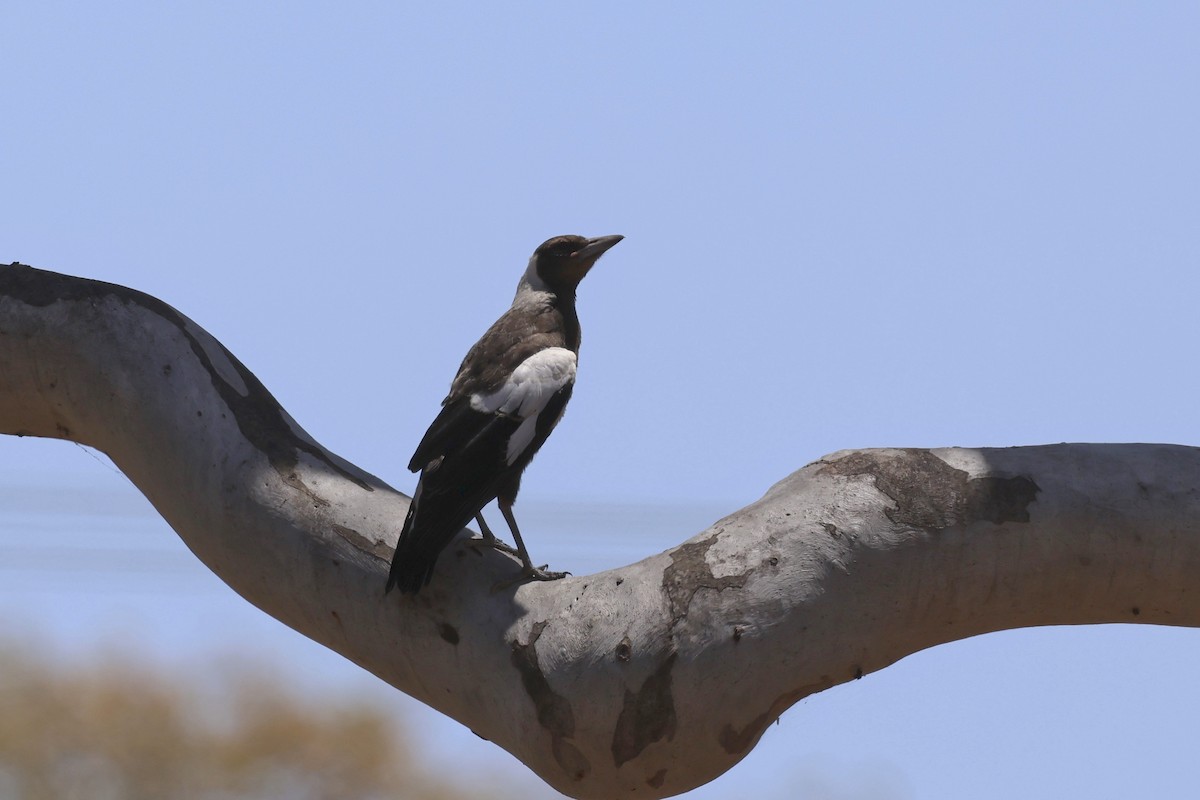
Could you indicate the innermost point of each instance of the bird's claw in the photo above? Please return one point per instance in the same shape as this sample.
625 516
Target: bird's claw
530 573
542 574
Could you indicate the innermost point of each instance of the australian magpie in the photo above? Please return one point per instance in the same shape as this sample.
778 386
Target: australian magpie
509 393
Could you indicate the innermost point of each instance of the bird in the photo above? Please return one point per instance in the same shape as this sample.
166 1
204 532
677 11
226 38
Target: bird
507 396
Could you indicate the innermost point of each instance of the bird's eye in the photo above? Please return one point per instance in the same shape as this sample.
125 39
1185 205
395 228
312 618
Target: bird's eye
561 247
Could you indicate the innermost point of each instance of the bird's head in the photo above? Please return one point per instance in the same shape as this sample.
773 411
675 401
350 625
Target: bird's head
560 263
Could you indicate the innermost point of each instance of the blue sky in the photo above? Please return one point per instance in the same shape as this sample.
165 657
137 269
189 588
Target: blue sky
848 225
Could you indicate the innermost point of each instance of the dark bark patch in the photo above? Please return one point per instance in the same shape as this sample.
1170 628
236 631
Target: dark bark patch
739 740
647 716
624 650
259 416
931 494
293 480
734 740
448 632
553 710
689 572
377 549
568 756
656 780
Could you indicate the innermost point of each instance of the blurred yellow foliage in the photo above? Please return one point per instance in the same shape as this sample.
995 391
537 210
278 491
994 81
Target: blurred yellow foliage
111 730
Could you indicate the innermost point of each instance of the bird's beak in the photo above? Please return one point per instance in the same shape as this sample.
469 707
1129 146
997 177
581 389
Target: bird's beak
596 248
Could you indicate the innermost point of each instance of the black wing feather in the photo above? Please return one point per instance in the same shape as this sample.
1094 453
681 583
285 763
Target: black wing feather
454 425
465 479
450 493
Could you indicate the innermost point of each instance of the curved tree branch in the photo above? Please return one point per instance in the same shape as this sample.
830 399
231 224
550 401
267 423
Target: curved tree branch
650 679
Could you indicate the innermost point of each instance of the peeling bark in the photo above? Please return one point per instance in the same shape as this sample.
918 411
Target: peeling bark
648 680
553 710
929 493
647 716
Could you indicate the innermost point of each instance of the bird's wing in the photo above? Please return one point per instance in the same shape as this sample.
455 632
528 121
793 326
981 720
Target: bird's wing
471 449
523 396
454 425
526 394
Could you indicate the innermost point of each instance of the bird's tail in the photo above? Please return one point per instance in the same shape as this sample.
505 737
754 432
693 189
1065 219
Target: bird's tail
410 571
431 523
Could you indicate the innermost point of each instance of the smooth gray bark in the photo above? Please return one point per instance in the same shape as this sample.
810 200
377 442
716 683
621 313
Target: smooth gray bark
647 680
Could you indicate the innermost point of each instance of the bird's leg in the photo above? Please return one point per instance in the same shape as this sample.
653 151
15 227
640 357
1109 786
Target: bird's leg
528 571
489 539
488 536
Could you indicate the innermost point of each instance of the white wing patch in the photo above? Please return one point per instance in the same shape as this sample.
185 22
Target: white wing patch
522 437
527 391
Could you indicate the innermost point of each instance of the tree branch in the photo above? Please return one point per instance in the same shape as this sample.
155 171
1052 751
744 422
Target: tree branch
650 679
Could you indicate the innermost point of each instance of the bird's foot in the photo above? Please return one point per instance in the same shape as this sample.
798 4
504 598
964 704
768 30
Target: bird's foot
492 543
530 573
